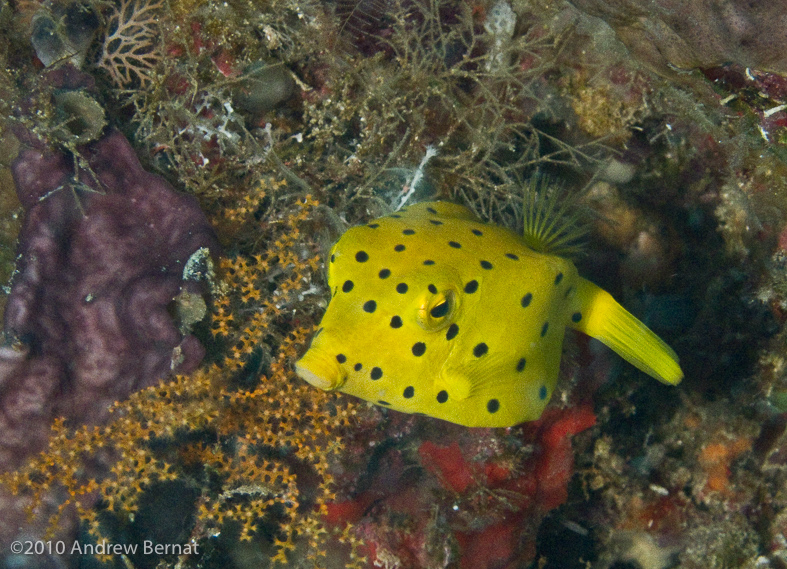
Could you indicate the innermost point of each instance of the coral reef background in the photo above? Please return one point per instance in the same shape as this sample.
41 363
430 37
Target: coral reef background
172 174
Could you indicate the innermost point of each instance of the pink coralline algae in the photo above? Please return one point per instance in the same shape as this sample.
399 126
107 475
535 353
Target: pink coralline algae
101 257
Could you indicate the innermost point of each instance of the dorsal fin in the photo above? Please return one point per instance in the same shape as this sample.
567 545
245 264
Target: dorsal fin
551 221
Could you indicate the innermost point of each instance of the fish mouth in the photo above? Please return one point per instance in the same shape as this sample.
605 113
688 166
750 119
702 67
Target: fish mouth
320 370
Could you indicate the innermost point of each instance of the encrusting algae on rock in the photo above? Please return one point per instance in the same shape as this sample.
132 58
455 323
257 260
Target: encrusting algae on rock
435 312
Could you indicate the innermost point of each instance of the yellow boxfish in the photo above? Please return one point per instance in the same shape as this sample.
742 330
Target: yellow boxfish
435 312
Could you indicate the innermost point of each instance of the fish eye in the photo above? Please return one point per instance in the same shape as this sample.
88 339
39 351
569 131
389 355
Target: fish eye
436 311
441 309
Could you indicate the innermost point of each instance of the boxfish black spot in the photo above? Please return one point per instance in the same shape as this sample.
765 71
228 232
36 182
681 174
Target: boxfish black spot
455 245
544 329
512 256
373 225
471 287
361 256
432 289
492 405
369 306
542 392
341 358
486 265
396 216
435 222
401 288
419 348
428 262
526 300
442 397
409 391
399 248
477 232
576 317
431 210
347 286
377 373
333 258
381 402
408 232
452 331
569 290
396 322
480 350
384 274
558 278
357 367
520 365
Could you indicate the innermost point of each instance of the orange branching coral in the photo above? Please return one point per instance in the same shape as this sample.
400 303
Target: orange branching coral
259 456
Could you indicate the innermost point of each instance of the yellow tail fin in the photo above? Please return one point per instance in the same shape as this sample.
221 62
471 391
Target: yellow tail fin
606 320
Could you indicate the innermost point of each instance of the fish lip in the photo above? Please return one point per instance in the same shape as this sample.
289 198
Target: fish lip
320 370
